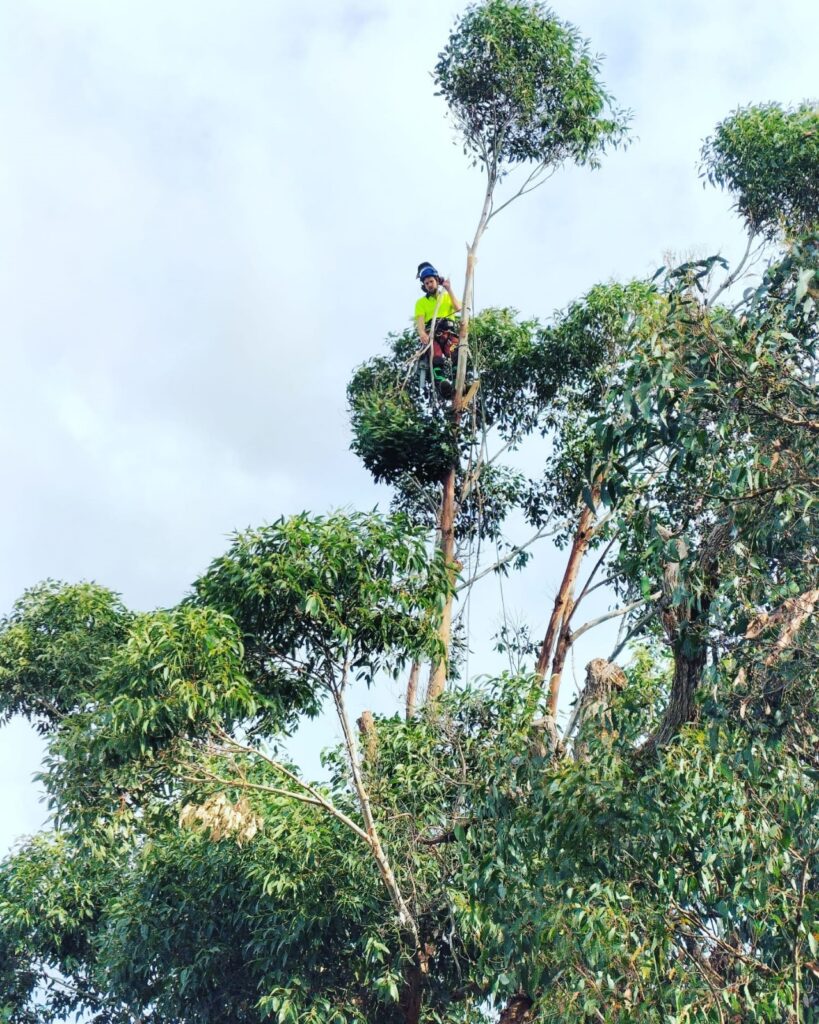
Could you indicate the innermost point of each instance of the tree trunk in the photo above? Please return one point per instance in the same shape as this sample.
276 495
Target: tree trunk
412 689
686 628
594 704
411 1001
564 642
446 523
681 704
563 606
446 520
517 1011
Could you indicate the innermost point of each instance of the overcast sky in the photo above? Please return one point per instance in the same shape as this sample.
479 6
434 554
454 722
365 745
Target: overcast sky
210 212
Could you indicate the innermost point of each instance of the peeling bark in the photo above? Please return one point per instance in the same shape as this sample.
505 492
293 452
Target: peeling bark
603 678
412 689
517 1011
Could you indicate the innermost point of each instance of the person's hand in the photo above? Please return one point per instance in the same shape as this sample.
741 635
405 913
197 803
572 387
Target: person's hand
446 283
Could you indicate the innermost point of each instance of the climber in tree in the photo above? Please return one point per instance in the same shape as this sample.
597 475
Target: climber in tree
434 315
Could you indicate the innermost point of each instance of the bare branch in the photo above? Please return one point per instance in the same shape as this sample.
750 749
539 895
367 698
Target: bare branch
388 876
635 629
732 277
577 633
529 185
314 795
508 557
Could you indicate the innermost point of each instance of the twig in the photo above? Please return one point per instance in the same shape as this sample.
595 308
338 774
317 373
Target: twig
732 277
577 633
635 629
512 554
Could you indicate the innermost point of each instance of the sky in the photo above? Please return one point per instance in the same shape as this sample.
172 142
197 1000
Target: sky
210 213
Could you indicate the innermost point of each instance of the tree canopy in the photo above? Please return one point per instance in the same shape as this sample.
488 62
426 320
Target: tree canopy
651 858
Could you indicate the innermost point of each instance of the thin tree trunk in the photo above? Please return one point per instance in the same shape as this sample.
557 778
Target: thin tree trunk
564 642
446 520
563 604
446 523
412 689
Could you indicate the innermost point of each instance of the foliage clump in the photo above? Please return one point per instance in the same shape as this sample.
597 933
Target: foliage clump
523 87
767 156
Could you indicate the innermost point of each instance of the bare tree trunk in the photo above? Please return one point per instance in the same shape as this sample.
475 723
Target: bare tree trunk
594 703
369 737
412 689
446 520
564 642
563 606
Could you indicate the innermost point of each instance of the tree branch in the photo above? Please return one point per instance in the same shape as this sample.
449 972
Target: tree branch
404 914
314 796
732 277
577 633
508 557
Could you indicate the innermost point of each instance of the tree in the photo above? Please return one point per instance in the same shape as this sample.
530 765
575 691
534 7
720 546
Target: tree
655 862
523 91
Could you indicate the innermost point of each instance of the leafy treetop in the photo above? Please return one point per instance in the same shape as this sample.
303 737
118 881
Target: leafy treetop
767 156
523 87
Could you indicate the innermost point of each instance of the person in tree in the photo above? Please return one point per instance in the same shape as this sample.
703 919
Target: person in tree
434 320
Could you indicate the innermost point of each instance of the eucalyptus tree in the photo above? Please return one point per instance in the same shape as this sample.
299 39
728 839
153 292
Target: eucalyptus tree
524 93
657 863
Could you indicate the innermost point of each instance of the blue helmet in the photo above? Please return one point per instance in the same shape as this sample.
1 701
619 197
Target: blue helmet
426 270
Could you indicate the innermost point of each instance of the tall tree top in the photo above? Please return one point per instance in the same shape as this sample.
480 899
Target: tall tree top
523 87
767 156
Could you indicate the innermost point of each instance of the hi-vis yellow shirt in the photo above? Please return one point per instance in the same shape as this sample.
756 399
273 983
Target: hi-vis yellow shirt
425 307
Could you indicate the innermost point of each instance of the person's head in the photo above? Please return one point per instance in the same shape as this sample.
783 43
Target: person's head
429 277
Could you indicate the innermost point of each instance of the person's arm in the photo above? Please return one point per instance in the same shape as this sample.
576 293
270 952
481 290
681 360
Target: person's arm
456 302
420 327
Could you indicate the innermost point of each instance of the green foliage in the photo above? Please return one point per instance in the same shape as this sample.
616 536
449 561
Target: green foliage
396 437
523 87
53 640
313 593
658 867
711 434
768 158
405 436
580 357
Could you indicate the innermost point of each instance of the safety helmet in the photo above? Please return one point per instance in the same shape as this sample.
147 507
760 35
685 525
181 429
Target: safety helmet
426 270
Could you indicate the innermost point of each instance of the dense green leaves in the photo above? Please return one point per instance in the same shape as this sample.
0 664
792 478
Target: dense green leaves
56 638
523 87
657 865
768 158
312 594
